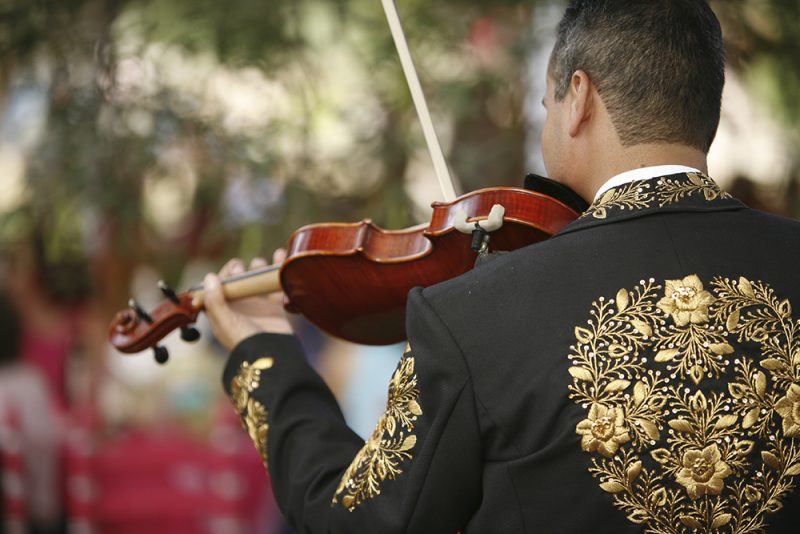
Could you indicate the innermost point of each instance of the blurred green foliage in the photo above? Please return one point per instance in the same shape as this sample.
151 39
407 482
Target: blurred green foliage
762 40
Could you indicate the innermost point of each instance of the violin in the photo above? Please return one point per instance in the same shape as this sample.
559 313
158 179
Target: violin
351 279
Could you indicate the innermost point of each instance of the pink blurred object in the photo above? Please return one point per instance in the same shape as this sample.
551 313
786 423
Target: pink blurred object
48 353
12 468
29 446
167 481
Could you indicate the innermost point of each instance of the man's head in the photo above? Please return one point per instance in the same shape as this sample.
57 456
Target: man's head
656 65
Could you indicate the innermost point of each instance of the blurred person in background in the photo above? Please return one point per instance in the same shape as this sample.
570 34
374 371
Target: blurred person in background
51 296
30 428
636 372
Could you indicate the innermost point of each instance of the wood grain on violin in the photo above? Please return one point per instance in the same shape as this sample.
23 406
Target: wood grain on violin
351 279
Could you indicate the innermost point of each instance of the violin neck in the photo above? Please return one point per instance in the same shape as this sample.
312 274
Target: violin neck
249 284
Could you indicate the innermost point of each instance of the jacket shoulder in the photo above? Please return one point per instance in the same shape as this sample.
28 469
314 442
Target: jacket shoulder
500 275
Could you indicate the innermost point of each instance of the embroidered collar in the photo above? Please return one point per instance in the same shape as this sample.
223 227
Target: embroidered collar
643 173
687 191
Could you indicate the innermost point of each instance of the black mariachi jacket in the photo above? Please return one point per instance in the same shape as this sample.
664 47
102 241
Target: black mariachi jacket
638 372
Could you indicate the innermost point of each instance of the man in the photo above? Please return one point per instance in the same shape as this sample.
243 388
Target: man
638 372
28 431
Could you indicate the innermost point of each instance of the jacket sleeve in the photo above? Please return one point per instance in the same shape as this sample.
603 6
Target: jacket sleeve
420 471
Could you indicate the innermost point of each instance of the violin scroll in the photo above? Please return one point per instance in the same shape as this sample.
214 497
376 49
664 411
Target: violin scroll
134 330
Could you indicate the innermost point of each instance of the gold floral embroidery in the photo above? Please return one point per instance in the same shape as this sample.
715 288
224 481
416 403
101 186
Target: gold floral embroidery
686 301
690 346
253 413
666 450
789 408
634 195
703 472
603 430
674 190
389 446
641 195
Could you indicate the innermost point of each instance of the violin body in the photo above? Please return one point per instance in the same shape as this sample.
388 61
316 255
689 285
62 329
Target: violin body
351 280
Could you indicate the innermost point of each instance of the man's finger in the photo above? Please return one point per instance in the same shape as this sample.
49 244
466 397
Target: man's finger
232 267
216 305
279 255
257 263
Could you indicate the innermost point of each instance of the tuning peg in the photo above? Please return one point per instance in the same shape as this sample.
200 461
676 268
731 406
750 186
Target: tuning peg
168 292
161 354
190 333
143 315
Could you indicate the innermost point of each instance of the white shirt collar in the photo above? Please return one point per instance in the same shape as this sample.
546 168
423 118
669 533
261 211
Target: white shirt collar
645 173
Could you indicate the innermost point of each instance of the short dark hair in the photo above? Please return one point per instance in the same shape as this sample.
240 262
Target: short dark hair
659 66
9 330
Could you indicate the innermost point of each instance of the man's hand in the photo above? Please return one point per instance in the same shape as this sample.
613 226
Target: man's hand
233 322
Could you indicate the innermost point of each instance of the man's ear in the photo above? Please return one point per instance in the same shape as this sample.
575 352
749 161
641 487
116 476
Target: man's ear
581 102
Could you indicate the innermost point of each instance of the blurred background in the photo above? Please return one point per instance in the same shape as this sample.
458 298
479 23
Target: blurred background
154 139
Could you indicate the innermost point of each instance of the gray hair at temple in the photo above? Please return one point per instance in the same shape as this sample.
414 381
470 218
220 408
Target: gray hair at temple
658 65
